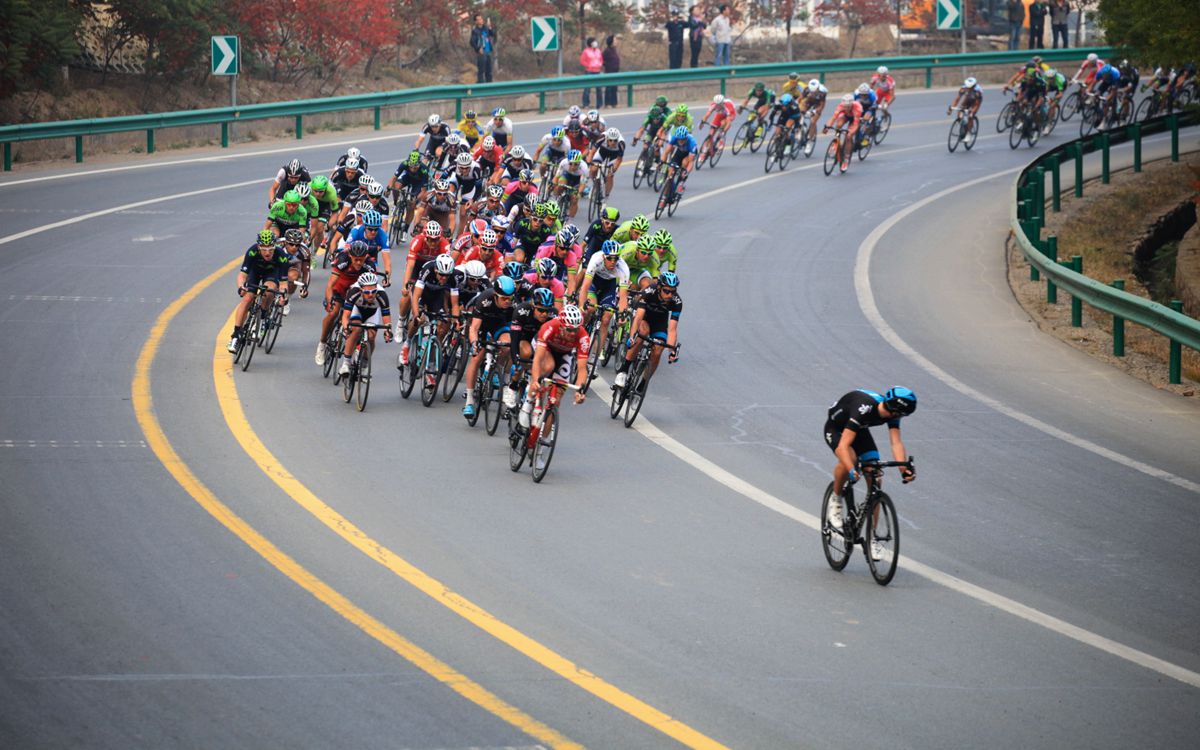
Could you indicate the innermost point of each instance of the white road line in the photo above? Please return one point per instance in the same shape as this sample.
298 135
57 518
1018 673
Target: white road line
978 593
58 298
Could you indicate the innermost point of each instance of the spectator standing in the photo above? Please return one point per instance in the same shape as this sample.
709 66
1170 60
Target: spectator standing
722 35
1037 24
696 27
675 28
483 41
1016 19
612 64
1059 10
592 61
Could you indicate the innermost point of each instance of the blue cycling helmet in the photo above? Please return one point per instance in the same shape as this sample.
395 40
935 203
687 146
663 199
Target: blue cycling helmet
786 99
372 219
610 248
572 230
546 267
543 297
669 279
575 156
900 401
556 131
505 286
680 132
1106 70
563 238
514 270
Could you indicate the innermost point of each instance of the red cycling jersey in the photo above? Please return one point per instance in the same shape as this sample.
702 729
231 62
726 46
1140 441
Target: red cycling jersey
852 113
494 265
885 87
555 336
493 156
423 250
721 113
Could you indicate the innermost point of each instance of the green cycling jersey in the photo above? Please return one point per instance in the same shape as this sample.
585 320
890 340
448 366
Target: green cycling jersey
668 256
636 265
621 234
284 220
675 120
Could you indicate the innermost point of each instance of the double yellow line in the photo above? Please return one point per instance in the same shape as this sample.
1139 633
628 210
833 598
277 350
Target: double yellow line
235 417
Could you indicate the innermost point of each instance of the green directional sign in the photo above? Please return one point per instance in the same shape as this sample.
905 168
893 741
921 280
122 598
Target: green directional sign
543 30
949 14
224 55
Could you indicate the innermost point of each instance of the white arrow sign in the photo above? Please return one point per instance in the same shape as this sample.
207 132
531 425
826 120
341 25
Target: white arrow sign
948 11
228 56
544 33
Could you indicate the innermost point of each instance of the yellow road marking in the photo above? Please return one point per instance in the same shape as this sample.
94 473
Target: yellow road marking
143 406
235 417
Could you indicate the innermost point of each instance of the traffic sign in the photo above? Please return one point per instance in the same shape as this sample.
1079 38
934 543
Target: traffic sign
949 14
543 30
224 55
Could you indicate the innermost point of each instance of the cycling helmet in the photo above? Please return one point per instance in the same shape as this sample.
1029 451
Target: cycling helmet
611 213
556 132
365 179
848 99
495 191
718 100
573 125
611 249
785 100
372 220
266 238
562 238
551 209
575 156
863 88
488 239
353 153
669 280
414 158
489 143
499 112
612 134
525 175
303 190
505 286
294 168
320 183
881 70
367 278
660 102
353 164
362 206
434 120
645 244
680 132
970 83
682 109
374 189
592 115
572 317
475 269
543 298
444 264
663 238
1037 59
640 224
454 139
572 230
515 270
358 249
517 152
291 196
477 227
294 236
656 112
469 114
759 85
463 160
500 224
531 202
900 401
433 230
814 84
793 76
1092 57
546 267
441 185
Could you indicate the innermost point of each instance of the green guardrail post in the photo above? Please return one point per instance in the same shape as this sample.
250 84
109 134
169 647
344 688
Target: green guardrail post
929 78
1118 325
299 127
821 77
378 117
1175 361
1104 150
722 87
224 135
1076 303
541 102
1052 254
1173 120
629 96
1078 147
1056 184
1039 192
1020 208
7 156
1135 132
79 149
149 140
457 110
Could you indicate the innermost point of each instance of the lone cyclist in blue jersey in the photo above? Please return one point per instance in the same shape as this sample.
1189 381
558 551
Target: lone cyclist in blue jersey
848 435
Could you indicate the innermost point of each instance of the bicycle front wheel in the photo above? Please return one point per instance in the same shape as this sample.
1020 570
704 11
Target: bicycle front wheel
544 450
718 149
831 157
772 154
884 125
364 377
742 138
1017 133
882 539
408 374
1070 105
276 322
491 405
637 393
348 382
835 543
431 373
250 334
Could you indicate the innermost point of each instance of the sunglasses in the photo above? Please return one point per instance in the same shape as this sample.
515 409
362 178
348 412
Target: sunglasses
369 291
504 298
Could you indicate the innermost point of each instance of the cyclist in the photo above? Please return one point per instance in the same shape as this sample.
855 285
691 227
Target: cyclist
428 244
576 136
342 227
436 284
500 127
566 254
469 127
849 115
491 318
632 229
551 149
372 192
486 251
681 153
609 152
1090 66
680 118
786 114
368 304
1105 84
289 176
970 97
884 87
465 182
1032 89
866 97
489 155
567 181
1056 87
594 126
520 191
599 231
763 98
345 178
1130 77
650 126
433 134
511 166
532 231
411 177
813 100
328 204
1185 75
664 248
656 316
492 202
378 246
556 341
263 265
792 86
352 153
642 260
528 318
345 270
722 111
298 266
606 285
437 202
543 276
848 435
287 213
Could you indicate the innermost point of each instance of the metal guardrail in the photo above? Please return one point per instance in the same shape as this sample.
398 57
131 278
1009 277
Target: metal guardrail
1027 215
224 116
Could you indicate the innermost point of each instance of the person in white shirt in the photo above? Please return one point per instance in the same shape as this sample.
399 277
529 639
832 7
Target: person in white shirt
721 29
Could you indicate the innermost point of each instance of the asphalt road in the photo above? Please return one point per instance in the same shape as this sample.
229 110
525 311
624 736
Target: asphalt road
631 585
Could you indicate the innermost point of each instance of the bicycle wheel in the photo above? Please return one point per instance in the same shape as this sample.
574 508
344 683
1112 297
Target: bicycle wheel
410 372
1051 120
835 543
332 349
477 389
956 135
673 203
641 168
882 538
637 393
517 445
1017 133
349 380
455 366
787 151
618 401
741 139
491 405
1004 121
972 133
831 157
543 451
364 376
664 197
705 150
274 323
660 175
882 127
1070 105
718 149
250 331
1145 110
1088 121
431 371
864 147
759 137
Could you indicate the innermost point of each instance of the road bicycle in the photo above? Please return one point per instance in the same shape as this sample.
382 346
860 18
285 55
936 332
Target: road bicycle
548 177
255 328
647 162
487 388
802 143
637 381
424 360
751 134
881 124
669 196
537 443
711 149
780 148
963 130
833 151
398 229
564 200
333 344
872 524
1156 103
597 197
358 380
1027 126
1072 102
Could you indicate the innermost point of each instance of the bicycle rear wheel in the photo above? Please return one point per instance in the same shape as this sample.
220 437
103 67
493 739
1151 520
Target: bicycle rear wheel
883 126
364 376
882 538
835 543
250 334
1005 120
1070 105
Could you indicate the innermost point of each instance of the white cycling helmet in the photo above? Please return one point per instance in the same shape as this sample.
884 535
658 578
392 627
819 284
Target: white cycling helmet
501 223
433 230
495 191
363 206
970 83
1092 57
517 152
863 88
488 238
353 153
613 134
881 70
718 100
374 189
814 85
454 139
848 99
444 264
434 120
489 143
475 269
352 162
462 160
367 278
571 316
573 112
304 190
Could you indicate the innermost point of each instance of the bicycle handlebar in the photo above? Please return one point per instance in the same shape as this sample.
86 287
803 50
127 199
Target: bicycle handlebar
551 381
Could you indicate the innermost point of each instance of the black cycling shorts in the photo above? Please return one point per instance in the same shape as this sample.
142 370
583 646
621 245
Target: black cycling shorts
863 445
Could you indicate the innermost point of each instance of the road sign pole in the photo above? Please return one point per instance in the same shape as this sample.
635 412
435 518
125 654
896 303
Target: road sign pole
232 100
560 95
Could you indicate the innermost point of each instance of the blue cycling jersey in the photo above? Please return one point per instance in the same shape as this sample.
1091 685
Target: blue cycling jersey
867 100
1112 74
687 144
360 233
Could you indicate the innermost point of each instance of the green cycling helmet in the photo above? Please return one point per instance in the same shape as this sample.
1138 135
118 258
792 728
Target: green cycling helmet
611 213
681 109
645 244
640 224
320 182
549 208
266 238
663 238
291 196
414 157
660 101
656 113
759 85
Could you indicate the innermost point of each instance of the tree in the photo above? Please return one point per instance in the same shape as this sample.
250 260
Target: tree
856 14
1151 31
37 37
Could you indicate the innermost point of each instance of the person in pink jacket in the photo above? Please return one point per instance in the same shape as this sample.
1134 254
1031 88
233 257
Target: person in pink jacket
592 60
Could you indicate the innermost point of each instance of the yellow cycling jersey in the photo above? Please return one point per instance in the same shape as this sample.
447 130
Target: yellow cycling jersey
795 88
469 128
